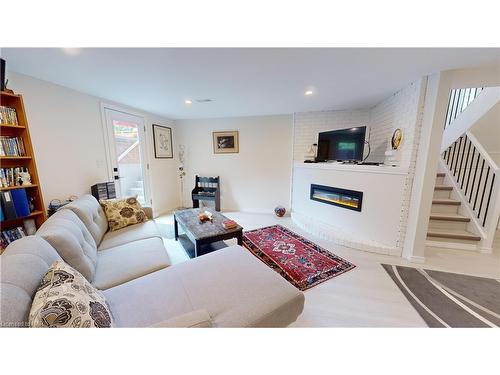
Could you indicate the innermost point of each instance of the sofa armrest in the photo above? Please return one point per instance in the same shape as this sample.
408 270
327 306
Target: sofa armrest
192 319
148 210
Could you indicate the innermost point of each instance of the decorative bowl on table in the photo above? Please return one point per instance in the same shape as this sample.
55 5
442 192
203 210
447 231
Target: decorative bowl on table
205 216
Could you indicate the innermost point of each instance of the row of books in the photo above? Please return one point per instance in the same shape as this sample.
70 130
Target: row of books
18 176
14 204
12 146
10 235
8 116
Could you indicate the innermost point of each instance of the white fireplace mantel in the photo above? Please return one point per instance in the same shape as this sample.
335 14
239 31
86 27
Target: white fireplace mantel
376 228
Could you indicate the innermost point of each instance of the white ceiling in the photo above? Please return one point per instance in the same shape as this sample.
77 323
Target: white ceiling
242 82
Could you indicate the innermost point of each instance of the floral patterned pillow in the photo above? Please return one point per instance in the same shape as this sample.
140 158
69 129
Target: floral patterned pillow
66 299
123 212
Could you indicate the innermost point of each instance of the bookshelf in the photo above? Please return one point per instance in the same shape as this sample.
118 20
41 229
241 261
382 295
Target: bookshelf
33 191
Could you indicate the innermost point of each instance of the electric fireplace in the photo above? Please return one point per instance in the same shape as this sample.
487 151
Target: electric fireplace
350 199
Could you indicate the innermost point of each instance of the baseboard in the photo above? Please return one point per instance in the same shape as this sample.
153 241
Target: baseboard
416 259
451 245
485 250
339 236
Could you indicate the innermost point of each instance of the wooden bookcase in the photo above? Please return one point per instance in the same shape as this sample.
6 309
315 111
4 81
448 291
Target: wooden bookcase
22 130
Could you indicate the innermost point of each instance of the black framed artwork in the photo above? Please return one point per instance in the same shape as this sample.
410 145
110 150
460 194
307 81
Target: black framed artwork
162 140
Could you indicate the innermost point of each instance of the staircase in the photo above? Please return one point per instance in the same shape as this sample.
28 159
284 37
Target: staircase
466 202
448 227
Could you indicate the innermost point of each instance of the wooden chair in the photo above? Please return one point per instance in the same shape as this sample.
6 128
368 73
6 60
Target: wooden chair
206 189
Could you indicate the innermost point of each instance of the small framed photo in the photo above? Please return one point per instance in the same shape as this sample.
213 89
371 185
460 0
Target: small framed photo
226 142
162 139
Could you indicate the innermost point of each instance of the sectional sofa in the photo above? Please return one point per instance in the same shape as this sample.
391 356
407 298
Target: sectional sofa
227 288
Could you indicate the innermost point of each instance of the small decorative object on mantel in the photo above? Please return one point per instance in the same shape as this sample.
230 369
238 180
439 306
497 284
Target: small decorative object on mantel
162 139
226 142
280 211
393 153
205 216
310 156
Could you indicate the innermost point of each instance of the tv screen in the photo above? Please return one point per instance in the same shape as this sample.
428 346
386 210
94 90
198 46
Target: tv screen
342 144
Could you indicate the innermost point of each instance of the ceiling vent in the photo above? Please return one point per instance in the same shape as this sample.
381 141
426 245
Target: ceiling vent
204 100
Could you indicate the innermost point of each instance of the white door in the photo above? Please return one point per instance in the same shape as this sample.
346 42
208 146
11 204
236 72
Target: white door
126 154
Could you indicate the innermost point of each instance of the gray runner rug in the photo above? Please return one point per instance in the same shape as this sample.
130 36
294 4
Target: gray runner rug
446 299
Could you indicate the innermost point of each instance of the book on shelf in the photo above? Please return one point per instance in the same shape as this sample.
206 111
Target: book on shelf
8 236
8 116
9 211
18 176
12 146
21 204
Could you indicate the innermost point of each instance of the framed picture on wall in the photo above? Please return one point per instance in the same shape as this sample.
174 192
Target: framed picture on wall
162 139
226 142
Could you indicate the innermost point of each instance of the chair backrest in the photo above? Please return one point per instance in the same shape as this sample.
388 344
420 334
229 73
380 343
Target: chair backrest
207 183
90 212
72 240
22 266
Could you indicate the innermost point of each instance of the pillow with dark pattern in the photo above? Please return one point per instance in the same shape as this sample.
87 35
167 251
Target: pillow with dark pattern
123 212
66 299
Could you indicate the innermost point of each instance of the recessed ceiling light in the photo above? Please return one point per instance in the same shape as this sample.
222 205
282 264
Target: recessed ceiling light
188 101
308 93
72 51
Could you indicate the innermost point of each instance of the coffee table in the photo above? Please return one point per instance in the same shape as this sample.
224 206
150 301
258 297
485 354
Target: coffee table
204 233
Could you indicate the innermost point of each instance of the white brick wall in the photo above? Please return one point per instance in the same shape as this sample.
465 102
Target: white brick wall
307 125
397 111
401 110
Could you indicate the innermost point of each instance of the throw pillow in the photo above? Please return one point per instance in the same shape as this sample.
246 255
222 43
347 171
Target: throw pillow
66 299
123 212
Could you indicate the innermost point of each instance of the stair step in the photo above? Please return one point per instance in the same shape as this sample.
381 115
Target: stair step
448 202
457 235
440 174
443 187
449 217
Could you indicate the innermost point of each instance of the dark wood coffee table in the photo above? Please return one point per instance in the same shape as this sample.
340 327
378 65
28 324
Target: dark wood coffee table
204 233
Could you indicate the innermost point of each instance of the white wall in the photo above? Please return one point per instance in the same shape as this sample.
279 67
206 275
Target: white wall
66 131
254 180
487 132
397 111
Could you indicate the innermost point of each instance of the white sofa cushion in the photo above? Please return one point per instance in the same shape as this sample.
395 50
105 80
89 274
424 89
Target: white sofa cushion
90 212
129 261
192 319
128 234
23 264
74 243
235 288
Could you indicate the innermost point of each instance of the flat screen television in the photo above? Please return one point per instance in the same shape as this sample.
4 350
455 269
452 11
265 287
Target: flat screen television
342 144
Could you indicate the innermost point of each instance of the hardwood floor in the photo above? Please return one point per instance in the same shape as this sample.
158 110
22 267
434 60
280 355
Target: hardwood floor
365 296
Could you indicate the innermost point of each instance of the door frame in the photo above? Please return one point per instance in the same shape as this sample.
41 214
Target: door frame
144 150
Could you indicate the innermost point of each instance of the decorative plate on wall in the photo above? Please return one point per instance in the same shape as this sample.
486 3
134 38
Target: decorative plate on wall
397 137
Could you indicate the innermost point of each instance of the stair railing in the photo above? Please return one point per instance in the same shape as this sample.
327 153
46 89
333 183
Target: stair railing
475 173
458 101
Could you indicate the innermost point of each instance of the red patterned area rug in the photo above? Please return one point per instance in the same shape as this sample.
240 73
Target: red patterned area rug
301 262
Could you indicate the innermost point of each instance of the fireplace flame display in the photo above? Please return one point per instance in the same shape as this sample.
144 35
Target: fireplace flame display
350 199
